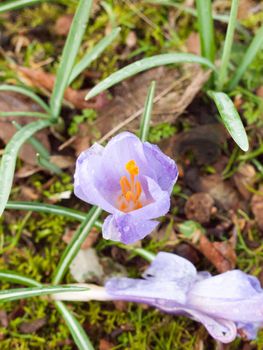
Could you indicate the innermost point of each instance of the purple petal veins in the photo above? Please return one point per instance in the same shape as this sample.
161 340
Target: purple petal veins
228 304
129 179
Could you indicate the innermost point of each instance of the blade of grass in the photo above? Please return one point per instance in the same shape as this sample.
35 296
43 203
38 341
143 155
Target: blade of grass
250 54
227 45
28 93
144 64
230 118
74 246
80 337
24 293
13 277
50 209
93 54
17 4
206 29
75 328
24 114
35 143
8 161
146 117
193 12
69 54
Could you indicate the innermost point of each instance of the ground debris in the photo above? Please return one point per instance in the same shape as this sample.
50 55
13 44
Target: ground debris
221 254
257 207
224 194
175 89
203 141
244 178
38 78
199 207
32 326
13 102
105 345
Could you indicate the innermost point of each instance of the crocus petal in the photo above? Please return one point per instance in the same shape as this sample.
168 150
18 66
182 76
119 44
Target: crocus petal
126 229
145 291
233 284
171 267
233 295
87 174
165 169
160 201
249 330
223 330
120 150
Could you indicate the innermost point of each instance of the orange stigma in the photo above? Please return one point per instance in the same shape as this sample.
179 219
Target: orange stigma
131 190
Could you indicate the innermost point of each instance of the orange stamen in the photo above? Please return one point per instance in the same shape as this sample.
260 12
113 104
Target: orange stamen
131 190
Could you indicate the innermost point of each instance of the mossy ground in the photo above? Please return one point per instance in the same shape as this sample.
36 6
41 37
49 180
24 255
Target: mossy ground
31 243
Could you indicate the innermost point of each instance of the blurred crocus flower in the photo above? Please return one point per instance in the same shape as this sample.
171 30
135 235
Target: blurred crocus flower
228 304
130 179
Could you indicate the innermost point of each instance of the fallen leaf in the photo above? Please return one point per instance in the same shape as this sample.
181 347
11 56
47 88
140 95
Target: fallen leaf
199 207
12 102
26 171
245 8
32 326
63 24
221 254
3 318
193 43
257 207
259 91
105 345
222 191
131 39
245 177
175 89
89 241
83 138
45 81
63 162
28 193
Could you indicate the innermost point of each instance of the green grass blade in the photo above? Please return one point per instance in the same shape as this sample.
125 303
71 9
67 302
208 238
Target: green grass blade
69 54
24 293
26 92
24 114
93 54
50 209
227 45
13 277
147 113
230 118
144 64
250 54
8 161
74 246
35 143
206 29
17 4
80 337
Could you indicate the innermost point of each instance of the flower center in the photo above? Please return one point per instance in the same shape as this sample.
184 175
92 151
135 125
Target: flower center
131 189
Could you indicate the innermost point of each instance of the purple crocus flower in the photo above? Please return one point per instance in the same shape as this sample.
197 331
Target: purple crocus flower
130 179
228 304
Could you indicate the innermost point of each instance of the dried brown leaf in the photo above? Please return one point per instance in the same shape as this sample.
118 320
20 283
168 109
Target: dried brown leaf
199 207
45 81
257 207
